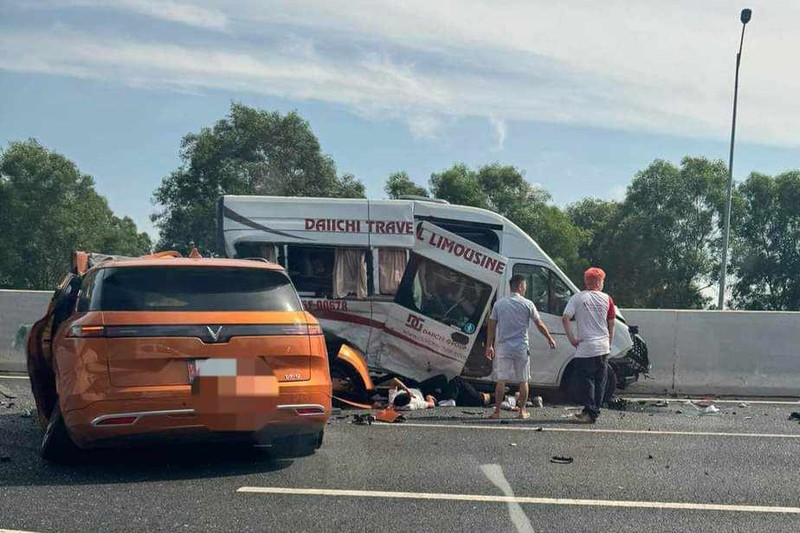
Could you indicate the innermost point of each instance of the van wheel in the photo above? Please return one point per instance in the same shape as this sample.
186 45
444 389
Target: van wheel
57 446
611 385
572 389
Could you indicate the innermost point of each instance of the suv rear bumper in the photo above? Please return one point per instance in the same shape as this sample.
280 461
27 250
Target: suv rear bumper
123 422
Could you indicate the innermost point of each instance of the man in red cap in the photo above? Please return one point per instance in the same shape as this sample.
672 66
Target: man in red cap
594 313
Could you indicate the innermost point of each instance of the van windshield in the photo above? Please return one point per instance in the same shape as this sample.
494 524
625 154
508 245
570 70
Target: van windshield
193 289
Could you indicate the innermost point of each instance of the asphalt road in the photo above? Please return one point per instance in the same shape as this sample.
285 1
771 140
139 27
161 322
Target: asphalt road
442 470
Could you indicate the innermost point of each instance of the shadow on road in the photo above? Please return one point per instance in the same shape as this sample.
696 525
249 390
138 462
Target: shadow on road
20 437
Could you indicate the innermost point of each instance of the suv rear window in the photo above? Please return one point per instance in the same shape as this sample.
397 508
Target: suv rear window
193 289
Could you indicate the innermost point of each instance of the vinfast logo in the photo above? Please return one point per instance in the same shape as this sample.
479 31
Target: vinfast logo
214 333
415 322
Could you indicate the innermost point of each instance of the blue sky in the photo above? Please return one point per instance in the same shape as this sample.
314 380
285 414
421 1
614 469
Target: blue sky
579 95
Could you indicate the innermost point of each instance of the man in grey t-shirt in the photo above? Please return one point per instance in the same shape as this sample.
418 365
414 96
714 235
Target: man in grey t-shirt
508 323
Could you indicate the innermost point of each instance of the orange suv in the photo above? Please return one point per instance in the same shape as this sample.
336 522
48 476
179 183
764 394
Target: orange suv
166 347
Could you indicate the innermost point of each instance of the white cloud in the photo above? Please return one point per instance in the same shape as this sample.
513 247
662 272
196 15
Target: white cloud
424 126
187 13
500 131
639 66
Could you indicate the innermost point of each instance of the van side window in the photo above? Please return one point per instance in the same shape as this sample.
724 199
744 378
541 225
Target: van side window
350 273
559 294
391 265
538 280
257 249
311 270
545 288
442 294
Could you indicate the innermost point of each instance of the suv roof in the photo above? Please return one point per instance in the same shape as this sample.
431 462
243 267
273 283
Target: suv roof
189 261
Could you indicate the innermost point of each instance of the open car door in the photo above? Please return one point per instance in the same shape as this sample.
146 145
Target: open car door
443 299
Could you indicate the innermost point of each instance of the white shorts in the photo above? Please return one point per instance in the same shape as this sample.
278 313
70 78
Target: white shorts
514 369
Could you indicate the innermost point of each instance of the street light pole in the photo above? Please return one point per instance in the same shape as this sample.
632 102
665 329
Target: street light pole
745 18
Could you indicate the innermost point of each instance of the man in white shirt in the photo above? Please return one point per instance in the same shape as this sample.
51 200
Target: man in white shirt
594 313
509 322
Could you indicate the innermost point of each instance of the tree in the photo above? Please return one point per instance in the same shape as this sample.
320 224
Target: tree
595 217
48 209
766 253
659 248
400 184
250 151
458 185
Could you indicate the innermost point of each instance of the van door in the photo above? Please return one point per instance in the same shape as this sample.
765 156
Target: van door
549 294
442 301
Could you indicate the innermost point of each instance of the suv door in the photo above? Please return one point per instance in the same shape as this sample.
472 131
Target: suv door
441 303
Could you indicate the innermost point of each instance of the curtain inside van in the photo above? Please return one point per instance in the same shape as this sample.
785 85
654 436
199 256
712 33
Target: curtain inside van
391 265
350 273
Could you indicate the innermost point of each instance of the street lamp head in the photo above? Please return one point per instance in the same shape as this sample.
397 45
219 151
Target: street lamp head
746 14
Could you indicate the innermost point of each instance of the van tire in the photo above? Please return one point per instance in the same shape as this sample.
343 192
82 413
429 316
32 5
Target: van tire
57 446
357 391
611 385
572 391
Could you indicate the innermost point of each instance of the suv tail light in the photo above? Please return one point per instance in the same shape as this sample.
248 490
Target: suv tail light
86 331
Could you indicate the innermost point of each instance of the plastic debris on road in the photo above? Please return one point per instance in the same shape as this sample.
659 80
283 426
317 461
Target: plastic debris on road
561 460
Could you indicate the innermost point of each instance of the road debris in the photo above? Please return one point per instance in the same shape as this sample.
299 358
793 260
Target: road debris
744 405
389 416
618 404
561 460
5 459
7 393
513 444
26 414
710 410
794 416
472 413
363 420
650 456
662 403
446 403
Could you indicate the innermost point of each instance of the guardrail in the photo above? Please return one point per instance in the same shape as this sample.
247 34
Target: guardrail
18 310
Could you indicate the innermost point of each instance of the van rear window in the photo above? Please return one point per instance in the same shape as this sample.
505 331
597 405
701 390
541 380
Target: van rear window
194 289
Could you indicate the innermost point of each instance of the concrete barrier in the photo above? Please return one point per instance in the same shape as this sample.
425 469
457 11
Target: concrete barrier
18 310
692 352
720 352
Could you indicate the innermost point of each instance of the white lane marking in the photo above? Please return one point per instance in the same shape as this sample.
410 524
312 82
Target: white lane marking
15 531
510 427
10 376
713 400
486 498
518 516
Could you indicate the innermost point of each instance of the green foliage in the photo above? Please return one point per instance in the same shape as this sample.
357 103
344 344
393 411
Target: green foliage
48 209
659 247
400 184
766 250
594 216
251 151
